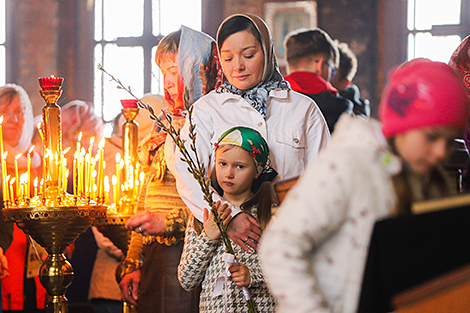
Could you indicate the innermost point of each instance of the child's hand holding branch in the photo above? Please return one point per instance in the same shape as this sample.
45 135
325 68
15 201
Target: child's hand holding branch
240 275
210 227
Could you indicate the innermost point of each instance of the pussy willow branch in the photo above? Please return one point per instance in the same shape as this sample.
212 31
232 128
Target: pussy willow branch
196 168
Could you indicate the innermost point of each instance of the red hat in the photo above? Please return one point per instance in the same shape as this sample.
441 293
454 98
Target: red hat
460 62
423 93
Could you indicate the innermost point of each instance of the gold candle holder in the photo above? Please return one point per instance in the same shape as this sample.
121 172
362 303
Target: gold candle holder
118 213
53 218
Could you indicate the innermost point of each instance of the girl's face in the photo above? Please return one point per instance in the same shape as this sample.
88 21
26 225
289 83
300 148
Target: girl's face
423 149
242 60
172 82
13 121
235 171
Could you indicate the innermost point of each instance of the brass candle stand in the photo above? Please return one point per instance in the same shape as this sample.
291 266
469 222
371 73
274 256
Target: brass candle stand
53 217
113 226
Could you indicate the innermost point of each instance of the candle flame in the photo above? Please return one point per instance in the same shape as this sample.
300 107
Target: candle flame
141 176
67 173
66 150
104 164
75 155
31 149
12 180
38 125
18 156
102 141
5 154
1 120
114 180
82 152
92 140
52 76
118 157
93 174
35 182
80 136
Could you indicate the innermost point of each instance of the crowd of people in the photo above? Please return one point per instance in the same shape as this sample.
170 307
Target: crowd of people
255 129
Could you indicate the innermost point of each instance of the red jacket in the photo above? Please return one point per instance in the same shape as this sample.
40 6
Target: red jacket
12 286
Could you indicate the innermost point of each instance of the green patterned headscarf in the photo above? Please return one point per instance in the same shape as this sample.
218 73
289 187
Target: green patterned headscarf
248 139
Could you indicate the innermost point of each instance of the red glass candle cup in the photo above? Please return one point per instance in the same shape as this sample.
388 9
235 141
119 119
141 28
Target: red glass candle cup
129 103
51 83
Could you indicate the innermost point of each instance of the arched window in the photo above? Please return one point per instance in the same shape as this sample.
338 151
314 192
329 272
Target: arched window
126 36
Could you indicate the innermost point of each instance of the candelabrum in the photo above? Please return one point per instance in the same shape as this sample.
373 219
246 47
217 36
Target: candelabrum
53 217
127 172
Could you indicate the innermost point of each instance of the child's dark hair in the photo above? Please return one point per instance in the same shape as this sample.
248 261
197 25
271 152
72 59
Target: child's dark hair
304 44
235 25
168 47
264 195
347 62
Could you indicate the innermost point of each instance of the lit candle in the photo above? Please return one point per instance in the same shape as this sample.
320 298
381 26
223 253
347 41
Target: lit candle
65 175
101 170
16 172
93 185
74 175
5 174
4 183
43 187
12 194
115 196
36 186
106 189
28 189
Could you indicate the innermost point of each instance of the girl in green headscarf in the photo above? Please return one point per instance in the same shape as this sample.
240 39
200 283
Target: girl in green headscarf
241 164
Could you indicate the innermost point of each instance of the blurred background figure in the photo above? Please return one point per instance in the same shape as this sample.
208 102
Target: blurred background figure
347 69
21 290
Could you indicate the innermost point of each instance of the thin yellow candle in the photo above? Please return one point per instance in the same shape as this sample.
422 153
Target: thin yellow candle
35 186
87 175
101 169
74 175
106 189
93 185
115 196
16 172
81 171
79 143
43 187
28 185
65 175
5 174
12 194
38 126
4 183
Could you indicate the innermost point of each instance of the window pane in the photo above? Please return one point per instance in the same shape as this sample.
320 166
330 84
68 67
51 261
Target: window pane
436 12
411 46
98 20
125 64
411 14
2 66
172 18
123 18
437 48
2 22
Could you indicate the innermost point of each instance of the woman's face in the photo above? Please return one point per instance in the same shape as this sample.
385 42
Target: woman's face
423 149
13 121
172 82
242 60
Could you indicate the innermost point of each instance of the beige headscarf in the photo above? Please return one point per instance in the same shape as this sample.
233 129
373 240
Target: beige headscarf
272 79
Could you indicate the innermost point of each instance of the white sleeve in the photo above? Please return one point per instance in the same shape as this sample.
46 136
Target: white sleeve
317 133
312 211
188 187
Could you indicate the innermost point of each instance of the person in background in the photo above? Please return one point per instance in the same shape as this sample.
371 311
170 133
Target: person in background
253 95
313 254
189 64
6 237
312 59
21 290
343 80
241 162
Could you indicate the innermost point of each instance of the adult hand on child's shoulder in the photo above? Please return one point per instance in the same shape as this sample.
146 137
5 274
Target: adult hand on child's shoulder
245 231
147 223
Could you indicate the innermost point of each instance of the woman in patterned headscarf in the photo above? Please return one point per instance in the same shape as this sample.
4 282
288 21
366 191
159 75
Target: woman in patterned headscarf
253 95
189 63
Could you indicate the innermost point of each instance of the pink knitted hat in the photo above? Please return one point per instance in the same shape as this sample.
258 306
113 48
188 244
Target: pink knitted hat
423 93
